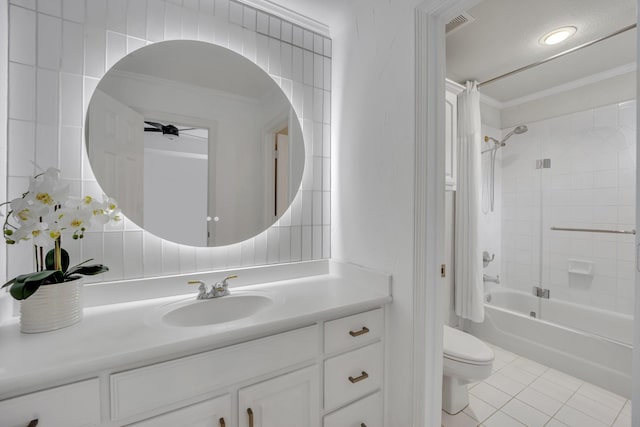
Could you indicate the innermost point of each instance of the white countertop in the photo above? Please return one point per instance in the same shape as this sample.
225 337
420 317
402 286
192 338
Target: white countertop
129 334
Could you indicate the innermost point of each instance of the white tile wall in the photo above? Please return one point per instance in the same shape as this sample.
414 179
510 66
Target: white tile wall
591 184
58 50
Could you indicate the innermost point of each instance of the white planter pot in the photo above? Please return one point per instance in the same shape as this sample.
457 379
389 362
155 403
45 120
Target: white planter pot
52 307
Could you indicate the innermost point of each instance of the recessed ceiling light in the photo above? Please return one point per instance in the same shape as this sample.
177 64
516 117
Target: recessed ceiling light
558 35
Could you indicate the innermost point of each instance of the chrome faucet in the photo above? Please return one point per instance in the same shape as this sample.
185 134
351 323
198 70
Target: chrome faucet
218 290
487 278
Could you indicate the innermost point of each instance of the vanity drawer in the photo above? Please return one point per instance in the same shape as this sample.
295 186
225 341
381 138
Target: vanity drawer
139 391
214 412
73 405
352 375
347 332
367 411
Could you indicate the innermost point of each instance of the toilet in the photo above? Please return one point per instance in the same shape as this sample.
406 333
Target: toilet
466 359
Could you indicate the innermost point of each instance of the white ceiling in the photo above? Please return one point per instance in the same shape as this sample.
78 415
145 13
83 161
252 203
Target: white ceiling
504 37
210 66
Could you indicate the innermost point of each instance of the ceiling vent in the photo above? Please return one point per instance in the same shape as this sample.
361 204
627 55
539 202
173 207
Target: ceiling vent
458 22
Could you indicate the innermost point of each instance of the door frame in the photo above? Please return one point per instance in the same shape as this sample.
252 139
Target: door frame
430 18
635 378
269 131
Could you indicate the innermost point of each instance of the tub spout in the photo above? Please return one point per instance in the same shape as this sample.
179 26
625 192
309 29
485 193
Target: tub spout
487 278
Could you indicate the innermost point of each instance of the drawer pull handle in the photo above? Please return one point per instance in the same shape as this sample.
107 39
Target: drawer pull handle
363 425
222 423
364 376
362 331
33 423
250 412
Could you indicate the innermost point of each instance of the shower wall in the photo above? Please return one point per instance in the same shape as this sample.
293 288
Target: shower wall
590 184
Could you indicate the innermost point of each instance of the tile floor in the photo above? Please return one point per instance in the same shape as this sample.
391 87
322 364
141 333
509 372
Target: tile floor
521 392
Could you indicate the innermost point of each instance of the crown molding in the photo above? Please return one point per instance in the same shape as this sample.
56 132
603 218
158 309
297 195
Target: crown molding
586 81
453 87
289 15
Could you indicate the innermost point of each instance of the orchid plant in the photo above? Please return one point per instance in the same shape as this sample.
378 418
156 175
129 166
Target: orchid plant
43 214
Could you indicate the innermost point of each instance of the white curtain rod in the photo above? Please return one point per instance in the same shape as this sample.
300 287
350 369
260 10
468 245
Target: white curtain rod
558 55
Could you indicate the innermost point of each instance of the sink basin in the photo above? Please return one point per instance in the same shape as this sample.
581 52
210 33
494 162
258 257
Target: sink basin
216 310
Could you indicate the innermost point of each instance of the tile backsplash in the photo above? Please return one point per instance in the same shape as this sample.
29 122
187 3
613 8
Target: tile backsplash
59 50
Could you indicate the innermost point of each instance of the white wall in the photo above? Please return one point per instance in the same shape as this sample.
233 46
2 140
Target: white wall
373 169
57 55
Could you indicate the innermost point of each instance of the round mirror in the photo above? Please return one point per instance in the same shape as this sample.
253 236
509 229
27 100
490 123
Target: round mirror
197 144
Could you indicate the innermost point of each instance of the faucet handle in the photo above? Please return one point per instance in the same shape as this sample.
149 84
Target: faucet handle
202 289
222 287
224 281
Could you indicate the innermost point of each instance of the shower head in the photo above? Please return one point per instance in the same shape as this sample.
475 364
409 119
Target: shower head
517 130
497 144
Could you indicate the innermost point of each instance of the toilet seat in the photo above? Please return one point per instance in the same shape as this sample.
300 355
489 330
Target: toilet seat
465 359
461 347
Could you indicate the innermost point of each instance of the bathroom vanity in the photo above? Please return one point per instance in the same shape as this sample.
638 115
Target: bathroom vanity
310 354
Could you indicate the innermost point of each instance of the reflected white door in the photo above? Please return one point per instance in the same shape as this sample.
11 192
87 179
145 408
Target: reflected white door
116 148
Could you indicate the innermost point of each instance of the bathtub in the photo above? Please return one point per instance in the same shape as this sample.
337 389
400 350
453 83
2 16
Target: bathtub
589 343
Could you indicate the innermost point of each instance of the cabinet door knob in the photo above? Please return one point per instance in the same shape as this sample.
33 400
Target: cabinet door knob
364 376
363 425
362 331
250 412
222 423
33 423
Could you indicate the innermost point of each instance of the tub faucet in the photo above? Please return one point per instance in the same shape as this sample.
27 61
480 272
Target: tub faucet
487 278
218 290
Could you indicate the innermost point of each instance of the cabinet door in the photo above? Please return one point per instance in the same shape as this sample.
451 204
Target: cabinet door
210 413
74 405
291 400
451 139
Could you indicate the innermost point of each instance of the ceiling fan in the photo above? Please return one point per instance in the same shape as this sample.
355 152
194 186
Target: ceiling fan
168 130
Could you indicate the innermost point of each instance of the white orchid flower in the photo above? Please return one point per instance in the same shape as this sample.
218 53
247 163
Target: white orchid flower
75 220
37 231
46 188
27 213
106 211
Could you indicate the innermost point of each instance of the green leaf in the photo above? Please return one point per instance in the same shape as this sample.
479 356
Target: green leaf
49 261
27 284
87 270
8 283
22 291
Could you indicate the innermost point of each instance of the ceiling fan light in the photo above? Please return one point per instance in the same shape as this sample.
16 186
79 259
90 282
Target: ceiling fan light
557 36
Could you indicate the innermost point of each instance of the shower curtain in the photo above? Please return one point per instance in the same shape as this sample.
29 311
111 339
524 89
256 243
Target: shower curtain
468 286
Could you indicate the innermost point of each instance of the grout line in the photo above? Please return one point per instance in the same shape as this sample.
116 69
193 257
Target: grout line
620 412
537 376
